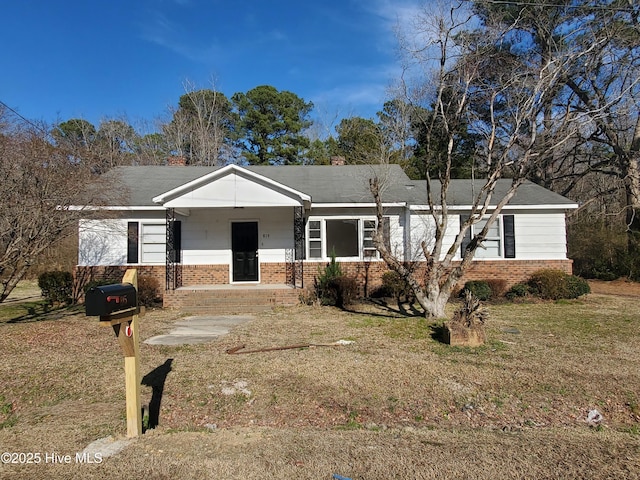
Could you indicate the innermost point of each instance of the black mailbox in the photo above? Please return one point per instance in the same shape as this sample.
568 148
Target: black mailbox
108 299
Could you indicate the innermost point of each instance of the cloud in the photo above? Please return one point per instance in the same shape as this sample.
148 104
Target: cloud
165 33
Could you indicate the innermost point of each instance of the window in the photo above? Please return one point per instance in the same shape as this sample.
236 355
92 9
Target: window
315 239
344 237
146 243
500 240
368 248
154 237
490 247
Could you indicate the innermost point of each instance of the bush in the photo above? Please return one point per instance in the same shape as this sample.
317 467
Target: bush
335 288
498 287
577 286
478 288
519 290
553 284
56 286
148 291
340 291
395 286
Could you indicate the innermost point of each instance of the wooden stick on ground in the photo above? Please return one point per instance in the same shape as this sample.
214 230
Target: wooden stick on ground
238 350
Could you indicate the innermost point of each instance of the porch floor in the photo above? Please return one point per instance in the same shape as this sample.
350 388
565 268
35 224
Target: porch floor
230 299
238 286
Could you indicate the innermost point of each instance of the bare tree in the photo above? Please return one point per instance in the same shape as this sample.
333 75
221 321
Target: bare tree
471 81
200 126
39 182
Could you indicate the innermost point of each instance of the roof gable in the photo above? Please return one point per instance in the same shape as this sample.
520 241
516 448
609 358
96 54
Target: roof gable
231 186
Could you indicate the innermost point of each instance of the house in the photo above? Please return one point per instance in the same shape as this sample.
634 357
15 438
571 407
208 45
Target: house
204 229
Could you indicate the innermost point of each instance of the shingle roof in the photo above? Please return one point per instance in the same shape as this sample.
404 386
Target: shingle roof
462 192
327 184
324 183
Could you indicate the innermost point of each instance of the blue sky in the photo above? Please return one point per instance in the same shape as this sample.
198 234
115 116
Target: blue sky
94 59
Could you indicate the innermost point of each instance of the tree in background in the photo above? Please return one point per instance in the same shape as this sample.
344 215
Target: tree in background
115 143
200 127
269 126
77 135
395 124
151 149
358 140
110 145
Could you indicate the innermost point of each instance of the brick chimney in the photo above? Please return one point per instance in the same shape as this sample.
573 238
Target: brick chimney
337 161
175 161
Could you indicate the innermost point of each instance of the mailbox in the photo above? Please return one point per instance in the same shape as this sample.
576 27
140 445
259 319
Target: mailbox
107 299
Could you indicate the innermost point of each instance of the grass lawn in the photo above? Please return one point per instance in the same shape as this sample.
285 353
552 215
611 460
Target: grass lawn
396 403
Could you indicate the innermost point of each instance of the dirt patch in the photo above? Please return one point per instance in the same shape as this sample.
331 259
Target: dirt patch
621 286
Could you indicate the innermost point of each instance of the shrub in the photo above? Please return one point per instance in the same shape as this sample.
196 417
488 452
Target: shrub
553 284
478 288
395 286
335 288
56 286
577 286
498 287
148 290
519 290
340 291
548 284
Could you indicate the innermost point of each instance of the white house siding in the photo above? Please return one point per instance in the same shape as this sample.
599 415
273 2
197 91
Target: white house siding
540 236
232 191
206 234
423 229
104 242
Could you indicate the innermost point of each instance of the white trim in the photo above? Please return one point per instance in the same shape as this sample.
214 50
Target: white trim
355 204
210 177
569 206
475 229
78 208
360 219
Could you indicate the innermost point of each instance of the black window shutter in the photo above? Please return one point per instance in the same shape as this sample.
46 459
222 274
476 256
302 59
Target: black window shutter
176 251
509 236
467 236
132 242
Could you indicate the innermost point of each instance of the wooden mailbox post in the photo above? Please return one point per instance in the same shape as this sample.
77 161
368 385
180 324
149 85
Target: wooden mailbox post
125 325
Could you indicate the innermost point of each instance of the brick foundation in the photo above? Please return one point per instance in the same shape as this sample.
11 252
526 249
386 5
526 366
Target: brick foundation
85 275
367 274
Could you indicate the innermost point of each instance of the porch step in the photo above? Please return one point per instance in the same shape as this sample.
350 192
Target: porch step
230 300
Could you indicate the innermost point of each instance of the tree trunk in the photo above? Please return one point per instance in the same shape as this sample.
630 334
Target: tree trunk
632 190
12 281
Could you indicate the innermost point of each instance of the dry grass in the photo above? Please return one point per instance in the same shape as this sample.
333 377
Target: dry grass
395 404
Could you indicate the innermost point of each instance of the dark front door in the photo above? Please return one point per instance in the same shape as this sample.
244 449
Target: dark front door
244 246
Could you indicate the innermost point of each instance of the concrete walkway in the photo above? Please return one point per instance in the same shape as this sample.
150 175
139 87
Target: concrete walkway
199 329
